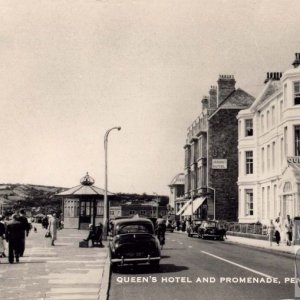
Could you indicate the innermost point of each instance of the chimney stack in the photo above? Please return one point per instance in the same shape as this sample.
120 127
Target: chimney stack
273 76
296 62
213 97
226 85
204 103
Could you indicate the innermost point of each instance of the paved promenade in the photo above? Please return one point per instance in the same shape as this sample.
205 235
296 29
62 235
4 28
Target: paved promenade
67 272
62 272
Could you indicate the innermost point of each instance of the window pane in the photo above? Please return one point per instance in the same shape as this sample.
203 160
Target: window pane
249 127
297 93
297 140
249 202
249 162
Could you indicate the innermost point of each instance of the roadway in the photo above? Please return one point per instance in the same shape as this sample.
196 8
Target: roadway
206 269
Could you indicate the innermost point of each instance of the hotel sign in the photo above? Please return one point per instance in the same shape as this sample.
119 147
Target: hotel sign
219 163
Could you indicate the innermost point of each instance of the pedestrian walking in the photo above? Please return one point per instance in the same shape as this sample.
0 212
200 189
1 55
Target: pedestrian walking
26 228
271 231
14 235
2 237
45 222
277 230
288 225
160 230
53 227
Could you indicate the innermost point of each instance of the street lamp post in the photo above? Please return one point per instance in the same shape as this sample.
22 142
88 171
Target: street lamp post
214 200
106 205
156 204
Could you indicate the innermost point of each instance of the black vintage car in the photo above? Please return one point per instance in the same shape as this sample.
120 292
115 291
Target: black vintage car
210 229
132 241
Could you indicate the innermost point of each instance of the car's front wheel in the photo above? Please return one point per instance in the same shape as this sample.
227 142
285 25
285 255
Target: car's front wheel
154 264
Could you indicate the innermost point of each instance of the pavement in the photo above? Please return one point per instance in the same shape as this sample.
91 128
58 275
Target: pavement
282 248
67 272
60 272
264 245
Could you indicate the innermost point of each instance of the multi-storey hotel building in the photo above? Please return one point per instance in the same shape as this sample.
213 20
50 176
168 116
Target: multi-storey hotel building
211 157
269 150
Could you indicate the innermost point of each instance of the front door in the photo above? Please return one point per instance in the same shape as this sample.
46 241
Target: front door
86 209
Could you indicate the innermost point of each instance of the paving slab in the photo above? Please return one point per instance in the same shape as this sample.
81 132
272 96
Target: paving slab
63 271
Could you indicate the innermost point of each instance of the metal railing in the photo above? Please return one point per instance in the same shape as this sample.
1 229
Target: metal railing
247 228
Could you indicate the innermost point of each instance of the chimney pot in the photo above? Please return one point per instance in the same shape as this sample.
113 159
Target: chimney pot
273 76
226 85
296 62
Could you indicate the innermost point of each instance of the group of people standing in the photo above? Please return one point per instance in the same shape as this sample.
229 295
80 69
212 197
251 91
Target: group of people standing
15 228
14 231
277 228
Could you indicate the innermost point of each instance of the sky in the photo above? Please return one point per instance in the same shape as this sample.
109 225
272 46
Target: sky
72 69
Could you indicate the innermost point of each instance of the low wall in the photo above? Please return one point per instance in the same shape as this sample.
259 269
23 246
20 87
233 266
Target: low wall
248 235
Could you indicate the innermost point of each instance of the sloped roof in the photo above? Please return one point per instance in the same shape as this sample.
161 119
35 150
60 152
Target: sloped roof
81 190
237 99
291 72
271 87
178 179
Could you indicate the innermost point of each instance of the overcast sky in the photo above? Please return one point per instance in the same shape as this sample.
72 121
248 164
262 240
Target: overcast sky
70 70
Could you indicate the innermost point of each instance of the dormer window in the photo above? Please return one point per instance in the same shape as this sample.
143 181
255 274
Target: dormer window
249 127
297 92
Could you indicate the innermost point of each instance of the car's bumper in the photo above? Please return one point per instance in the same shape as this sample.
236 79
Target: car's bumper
124 260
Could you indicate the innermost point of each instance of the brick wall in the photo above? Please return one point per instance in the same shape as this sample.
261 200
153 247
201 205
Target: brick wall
222 144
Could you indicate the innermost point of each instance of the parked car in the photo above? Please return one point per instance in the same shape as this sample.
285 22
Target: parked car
170 227
132 241
210 229
193 228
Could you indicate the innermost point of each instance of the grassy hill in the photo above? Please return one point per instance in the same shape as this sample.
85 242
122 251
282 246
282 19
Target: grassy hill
39 198
34 198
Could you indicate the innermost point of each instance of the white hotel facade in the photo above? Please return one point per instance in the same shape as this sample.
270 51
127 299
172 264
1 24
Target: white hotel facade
269 147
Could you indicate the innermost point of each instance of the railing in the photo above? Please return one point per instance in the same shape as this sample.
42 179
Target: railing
247 228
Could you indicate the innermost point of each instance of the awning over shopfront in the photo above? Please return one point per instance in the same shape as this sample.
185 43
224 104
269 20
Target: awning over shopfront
192 207
183 208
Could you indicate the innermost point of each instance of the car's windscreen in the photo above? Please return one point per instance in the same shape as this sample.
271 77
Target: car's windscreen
135 228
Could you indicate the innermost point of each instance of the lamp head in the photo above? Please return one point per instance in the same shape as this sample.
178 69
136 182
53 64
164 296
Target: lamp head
119 128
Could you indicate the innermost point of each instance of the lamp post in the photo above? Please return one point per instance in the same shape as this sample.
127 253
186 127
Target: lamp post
106 206
214 200
156 204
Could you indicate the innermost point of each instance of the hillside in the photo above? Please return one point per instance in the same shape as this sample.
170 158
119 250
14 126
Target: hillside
39 199
31 197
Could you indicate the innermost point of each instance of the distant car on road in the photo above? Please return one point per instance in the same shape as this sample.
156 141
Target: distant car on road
132 241
193 228
170 227
209 229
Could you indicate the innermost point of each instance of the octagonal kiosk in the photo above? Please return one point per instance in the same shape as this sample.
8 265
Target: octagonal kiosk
83 204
